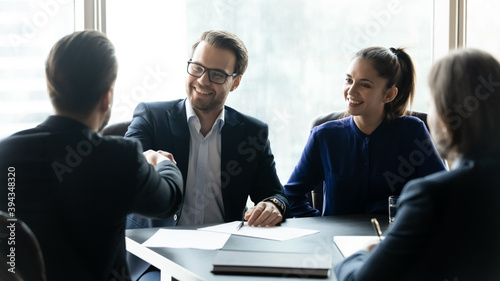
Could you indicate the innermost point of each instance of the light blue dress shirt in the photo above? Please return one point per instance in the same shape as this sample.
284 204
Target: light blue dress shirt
203 195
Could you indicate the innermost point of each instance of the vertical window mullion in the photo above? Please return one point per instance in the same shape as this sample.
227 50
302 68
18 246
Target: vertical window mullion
458 24
95 15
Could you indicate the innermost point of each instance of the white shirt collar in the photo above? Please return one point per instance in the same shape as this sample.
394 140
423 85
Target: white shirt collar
191 115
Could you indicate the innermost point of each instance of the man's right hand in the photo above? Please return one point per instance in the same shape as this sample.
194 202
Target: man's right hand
169 155
155 157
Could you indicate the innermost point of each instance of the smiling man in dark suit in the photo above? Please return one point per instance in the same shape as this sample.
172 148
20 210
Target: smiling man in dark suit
224 155
72 186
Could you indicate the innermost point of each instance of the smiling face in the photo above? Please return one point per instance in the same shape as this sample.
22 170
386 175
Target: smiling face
207 97
365 92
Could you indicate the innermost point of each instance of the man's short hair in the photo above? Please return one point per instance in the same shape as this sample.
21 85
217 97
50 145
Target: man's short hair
80 68
226 40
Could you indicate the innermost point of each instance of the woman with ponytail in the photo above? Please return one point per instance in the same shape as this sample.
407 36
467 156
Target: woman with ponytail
368 156
447 226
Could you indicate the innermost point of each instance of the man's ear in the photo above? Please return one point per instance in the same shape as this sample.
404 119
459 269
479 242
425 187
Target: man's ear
390 94
236 82
106 100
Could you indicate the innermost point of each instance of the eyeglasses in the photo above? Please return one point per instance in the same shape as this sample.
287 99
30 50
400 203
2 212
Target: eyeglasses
215 76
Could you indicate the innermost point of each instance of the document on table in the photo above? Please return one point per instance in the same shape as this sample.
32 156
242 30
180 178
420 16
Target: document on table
348 245
280 233
187 239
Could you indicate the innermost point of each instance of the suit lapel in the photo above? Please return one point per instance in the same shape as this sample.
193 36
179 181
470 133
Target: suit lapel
179 130
232 136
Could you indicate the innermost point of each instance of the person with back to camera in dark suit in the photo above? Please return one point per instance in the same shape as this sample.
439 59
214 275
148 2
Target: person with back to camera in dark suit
224 155
447 226
74 187
363 159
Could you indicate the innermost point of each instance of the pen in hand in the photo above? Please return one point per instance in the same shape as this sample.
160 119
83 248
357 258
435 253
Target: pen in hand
242 219
376 226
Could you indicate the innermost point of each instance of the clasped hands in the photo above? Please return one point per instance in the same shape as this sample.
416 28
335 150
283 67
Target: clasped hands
155 157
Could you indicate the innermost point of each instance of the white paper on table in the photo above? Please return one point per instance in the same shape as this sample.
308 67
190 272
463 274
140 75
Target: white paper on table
280 233
187 239
349 245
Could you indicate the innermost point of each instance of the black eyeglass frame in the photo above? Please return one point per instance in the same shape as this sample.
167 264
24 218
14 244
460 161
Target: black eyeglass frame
206 69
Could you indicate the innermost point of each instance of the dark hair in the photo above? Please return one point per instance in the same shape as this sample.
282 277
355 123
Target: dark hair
396 66
465 89
80 68
226 40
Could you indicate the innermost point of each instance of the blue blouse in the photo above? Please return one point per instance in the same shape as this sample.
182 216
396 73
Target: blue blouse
358 171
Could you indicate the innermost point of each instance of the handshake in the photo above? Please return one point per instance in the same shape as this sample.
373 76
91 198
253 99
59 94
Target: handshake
155 157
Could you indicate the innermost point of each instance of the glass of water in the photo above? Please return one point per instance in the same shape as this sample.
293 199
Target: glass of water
392 207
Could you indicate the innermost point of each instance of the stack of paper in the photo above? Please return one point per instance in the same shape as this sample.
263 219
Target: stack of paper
214 237
280 233
187 239
348 245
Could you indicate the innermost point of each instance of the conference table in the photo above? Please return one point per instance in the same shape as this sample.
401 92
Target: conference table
196 264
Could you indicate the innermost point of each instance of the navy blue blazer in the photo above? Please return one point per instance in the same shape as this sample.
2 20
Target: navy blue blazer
247 163
447 228
358 171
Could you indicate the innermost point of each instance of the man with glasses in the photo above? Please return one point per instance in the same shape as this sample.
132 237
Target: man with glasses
224 156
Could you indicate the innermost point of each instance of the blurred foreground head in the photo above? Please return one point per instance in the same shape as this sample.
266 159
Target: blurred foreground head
464 114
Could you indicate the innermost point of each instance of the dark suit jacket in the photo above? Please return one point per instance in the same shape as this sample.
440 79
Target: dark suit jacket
247 163
74 189
447 228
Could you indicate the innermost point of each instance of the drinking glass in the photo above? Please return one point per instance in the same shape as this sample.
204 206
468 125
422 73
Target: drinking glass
392 207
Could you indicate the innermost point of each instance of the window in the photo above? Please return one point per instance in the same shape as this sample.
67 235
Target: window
298 50
152 52
28 29
483 25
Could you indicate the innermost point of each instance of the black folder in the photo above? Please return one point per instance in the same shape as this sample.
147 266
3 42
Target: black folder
273 263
